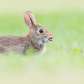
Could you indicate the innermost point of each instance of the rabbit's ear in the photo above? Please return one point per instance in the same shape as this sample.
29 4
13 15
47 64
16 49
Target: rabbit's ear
30 14
27 19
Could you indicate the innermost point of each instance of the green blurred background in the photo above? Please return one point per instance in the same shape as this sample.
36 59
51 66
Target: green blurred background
63 61
12 6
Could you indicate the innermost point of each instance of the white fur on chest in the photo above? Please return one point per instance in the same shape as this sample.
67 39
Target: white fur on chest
44 47
43 50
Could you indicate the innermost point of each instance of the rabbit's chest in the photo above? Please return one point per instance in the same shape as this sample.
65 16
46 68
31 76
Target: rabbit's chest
43 49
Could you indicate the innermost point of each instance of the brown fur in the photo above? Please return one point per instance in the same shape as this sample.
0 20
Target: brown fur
34 39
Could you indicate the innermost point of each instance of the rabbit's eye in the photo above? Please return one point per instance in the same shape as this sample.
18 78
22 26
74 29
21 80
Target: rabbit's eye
41 31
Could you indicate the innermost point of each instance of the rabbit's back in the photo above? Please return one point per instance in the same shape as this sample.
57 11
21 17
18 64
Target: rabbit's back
13 43
9 40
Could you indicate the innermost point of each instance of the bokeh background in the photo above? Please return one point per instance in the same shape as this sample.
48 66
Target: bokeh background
63 61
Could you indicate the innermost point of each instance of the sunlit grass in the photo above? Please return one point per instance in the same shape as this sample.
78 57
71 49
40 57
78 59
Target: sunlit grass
59 63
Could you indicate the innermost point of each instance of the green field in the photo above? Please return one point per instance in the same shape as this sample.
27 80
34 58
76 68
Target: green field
59 62
63 61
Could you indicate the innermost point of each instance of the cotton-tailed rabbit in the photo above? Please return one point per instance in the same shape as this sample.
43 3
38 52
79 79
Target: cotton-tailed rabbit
36 38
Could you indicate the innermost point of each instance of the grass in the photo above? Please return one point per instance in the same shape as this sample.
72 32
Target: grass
63 61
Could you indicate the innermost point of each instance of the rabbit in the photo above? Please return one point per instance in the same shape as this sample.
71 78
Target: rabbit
36 38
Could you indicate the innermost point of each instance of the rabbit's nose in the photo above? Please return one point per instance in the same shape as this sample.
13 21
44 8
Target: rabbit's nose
51 38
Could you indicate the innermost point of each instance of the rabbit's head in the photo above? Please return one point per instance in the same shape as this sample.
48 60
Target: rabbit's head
37 31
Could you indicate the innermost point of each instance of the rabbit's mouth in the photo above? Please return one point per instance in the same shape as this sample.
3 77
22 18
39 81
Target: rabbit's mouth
50 39
45 41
